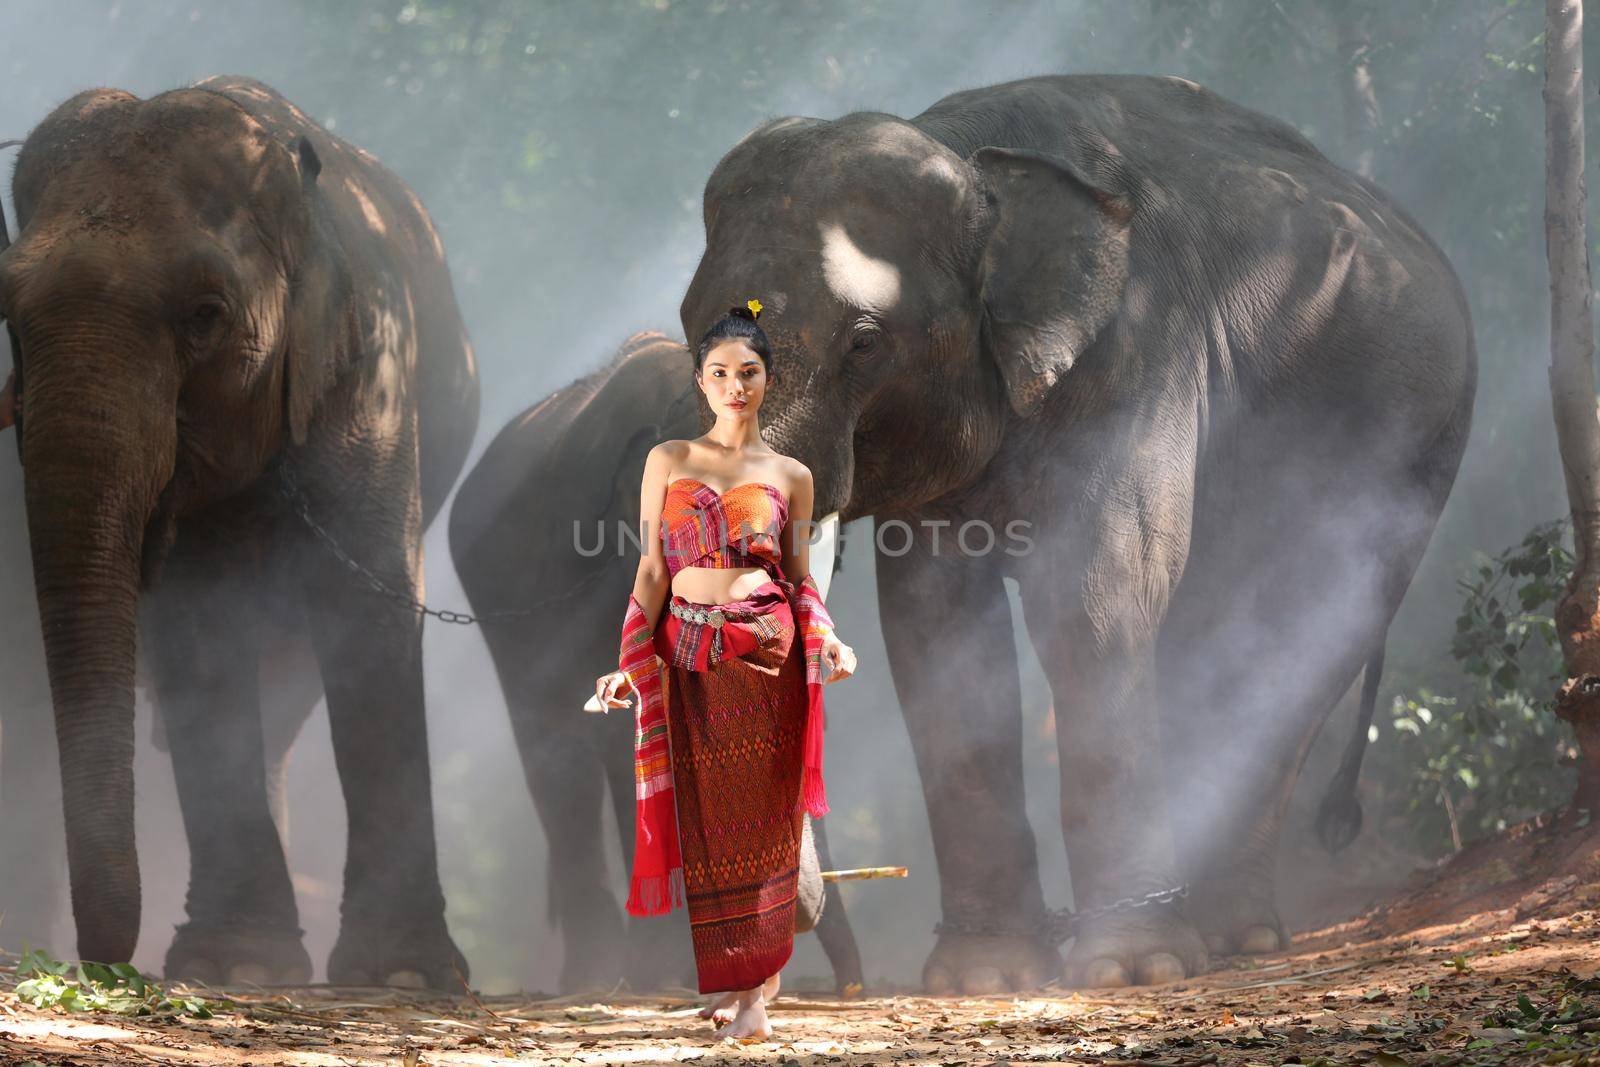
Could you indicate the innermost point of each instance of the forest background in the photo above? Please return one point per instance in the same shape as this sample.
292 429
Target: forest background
562 149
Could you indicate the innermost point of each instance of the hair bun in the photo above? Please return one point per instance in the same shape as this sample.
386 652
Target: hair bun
742 313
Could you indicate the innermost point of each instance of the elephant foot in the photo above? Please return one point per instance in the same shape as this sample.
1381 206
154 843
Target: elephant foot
219 954
407 955
595 946
983 964
1145 947
660 955
1239 922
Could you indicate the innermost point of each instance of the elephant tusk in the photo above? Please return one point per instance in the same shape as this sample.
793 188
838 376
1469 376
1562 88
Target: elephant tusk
823 552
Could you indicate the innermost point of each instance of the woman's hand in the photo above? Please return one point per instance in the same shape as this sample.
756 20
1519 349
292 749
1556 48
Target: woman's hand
840 658
608 687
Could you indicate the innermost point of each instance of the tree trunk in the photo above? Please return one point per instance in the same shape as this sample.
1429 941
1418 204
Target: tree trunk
1572 379
1359 98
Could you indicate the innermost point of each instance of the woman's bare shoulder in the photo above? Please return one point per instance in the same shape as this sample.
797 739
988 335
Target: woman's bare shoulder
796 477
673 450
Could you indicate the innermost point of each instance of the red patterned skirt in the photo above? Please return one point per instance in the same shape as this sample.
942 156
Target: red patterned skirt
737 733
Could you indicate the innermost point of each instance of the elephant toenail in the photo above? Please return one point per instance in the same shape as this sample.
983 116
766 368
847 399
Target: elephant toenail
936 980
1160 967
198 969
982 981
407 980
1104 974
1258 940
248 974
1027 978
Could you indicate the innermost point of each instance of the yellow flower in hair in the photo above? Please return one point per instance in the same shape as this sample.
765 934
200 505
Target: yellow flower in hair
754 306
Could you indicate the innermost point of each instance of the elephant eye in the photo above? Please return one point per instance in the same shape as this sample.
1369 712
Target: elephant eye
864 340
206 317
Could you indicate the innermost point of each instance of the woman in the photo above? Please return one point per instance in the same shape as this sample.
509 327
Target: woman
728 747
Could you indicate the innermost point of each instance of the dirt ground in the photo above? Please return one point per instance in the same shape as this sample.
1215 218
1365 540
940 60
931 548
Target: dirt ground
1489 959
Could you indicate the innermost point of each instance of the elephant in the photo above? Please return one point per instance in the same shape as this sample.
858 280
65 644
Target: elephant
569 465
1197 390
244 390
33 858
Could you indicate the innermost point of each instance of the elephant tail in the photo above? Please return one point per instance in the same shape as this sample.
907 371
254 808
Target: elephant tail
1339 814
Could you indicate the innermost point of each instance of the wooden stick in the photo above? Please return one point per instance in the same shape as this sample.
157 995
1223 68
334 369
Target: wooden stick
858 873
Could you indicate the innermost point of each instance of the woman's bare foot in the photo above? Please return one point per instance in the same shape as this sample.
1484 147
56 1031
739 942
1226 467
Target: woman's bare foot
751 1017
721 1010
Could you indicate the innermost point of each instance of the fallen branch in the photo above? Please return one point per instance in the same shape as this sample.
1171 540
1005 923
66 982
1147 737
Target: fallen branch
1293 980
473 996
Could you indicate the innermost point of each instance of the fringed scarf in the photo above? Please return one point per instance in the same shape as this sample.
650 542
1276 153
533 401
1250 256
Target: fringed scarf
657 883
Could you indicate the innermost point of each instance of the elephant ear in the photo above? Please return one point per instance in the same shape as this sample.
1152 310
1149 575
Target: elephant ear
1053 269
320 322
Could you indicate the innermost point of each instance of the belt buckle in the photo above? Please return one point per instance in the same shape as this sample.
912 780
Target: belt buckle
716 618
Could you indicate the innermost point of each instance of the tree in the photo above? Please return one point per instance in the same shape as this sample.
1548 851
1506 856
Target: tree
1572 379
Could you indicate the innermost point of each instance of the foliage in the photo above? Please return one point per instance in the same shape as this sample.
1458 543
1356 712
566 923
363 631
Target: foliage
1489 751
117 988
1552 1023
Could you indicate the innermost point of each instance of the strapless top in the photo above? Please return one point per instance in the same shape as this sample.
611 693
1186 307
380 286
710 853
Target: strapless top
739 528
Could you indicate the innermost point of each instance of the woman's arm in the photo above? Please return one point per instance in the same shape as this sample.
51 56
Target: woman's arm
653 581
798 534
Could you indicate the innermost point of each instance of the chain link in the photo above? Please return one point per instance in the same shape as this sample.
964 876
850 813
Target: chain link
296 497
1059 924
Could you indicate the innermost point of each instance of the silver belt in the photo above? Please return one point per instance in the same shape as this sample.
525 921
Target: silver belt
713 617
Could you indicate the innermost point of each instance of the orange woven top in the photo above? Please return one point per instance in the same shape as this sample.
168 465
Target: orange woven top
738 528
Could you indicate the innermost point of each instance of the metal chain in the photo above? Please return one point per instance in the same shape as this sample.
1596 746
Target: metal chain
296 497
1059 924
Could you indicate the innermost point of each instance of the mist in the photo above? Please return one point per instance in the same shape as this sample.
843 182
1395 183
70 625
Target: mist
562 150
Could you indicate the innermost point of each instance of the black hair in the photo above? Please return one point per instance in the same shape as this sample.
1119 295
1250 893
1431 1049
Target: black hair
739 324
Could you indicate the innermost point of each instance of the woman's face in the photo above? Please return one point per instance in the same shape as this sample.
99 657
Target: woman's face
734 379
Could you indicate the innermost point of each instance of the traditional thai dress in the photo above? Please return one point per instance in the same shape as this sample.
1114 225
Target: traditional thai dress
728 742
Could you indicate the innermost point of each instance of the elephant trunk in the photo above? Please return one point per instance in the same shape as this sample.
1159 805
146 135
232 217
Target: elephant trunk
792 430
98 452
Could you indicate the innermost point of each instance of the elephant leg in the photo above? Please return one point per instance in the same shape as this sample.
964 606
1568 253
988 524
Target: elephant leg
1273 625
811 892
369 649
566 778
203 633
561 752
658 953
291 688
947 627
33 861
1228 806
838 939
1094 603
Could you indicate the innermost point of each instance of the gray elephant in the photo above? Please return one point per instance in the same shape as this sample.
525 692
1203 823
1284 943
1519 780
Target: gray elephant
566 472
242 376
1198 391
